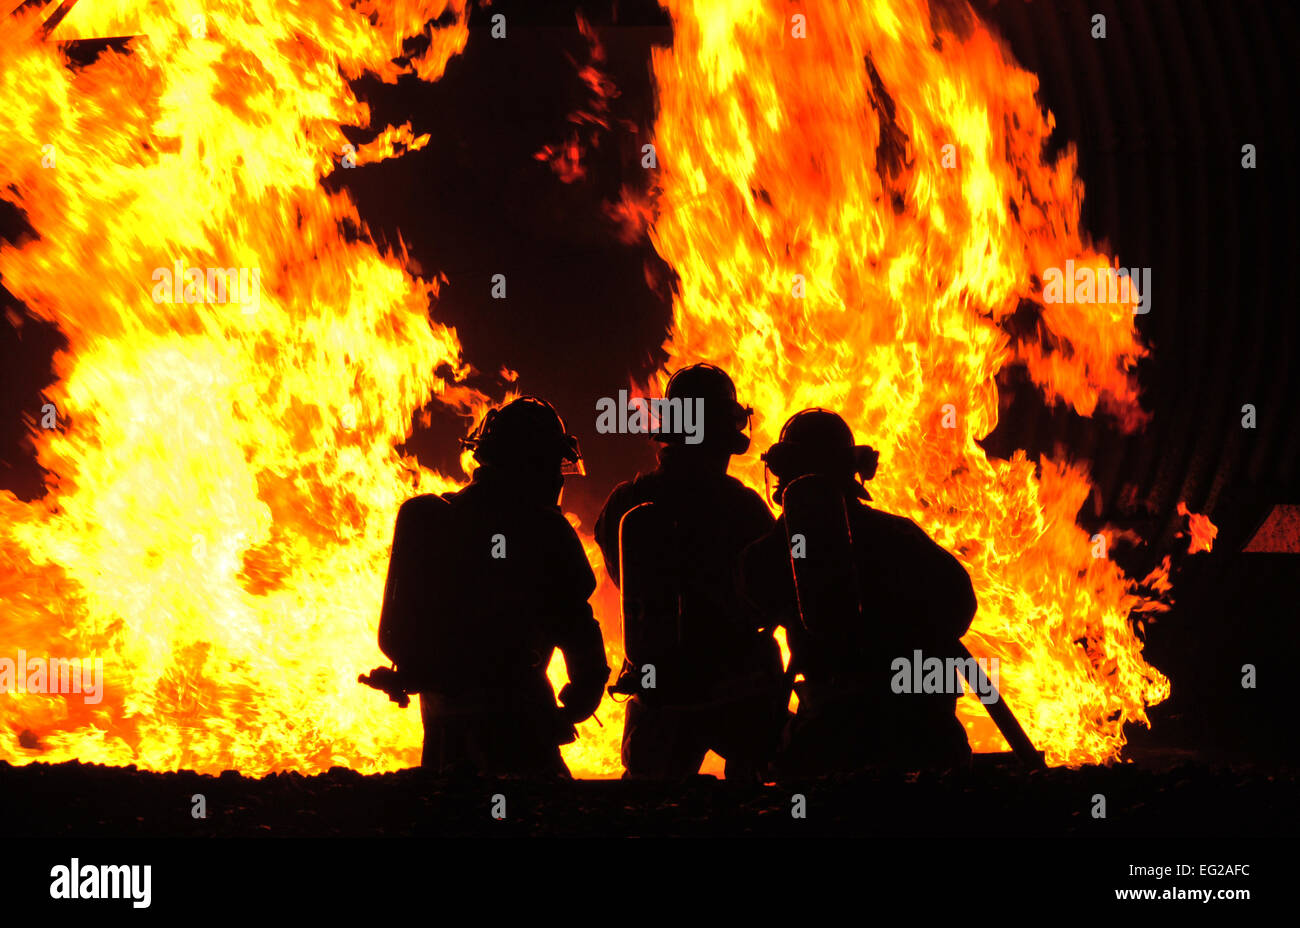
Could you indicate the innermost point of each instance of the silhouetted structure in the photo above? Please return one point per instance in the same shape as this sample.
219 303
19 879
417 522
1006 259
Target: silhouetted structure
866 588
483 585
701 673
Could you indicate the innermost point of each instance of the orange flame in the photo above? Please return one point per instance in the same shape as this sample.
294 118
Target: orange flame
565 158
226 475
1201 530
226 479
855 200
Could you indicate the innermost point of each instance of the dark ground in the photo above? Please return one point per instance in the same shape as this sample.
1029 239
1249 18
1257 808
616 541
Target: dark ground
74 800
1158 111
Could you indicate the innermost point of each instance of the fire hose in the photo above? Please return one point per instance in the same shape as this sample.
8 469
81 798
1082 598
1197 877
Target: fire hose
1001 714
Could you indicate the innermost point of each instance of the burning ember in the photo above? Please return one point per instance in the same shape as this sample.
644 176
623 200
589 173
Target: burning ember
1200 529
854 197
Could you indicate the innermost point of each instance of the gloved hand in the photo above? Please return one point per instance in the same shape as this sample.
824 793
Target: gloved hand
565 733
579 702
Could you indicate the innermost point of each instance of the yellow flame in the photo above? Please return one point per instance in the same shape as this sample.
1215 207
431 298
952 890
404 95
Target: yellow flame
832 253
225 481
226 473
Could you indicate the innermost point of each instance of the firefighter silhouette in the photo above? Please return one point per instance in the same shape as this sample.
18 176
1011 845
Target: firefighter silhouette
483 585
700 672
855 588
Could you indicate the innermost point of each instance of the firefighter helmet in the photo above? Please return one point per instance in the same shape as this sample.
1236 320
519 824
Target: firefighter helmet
818 441
725 418
525 431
